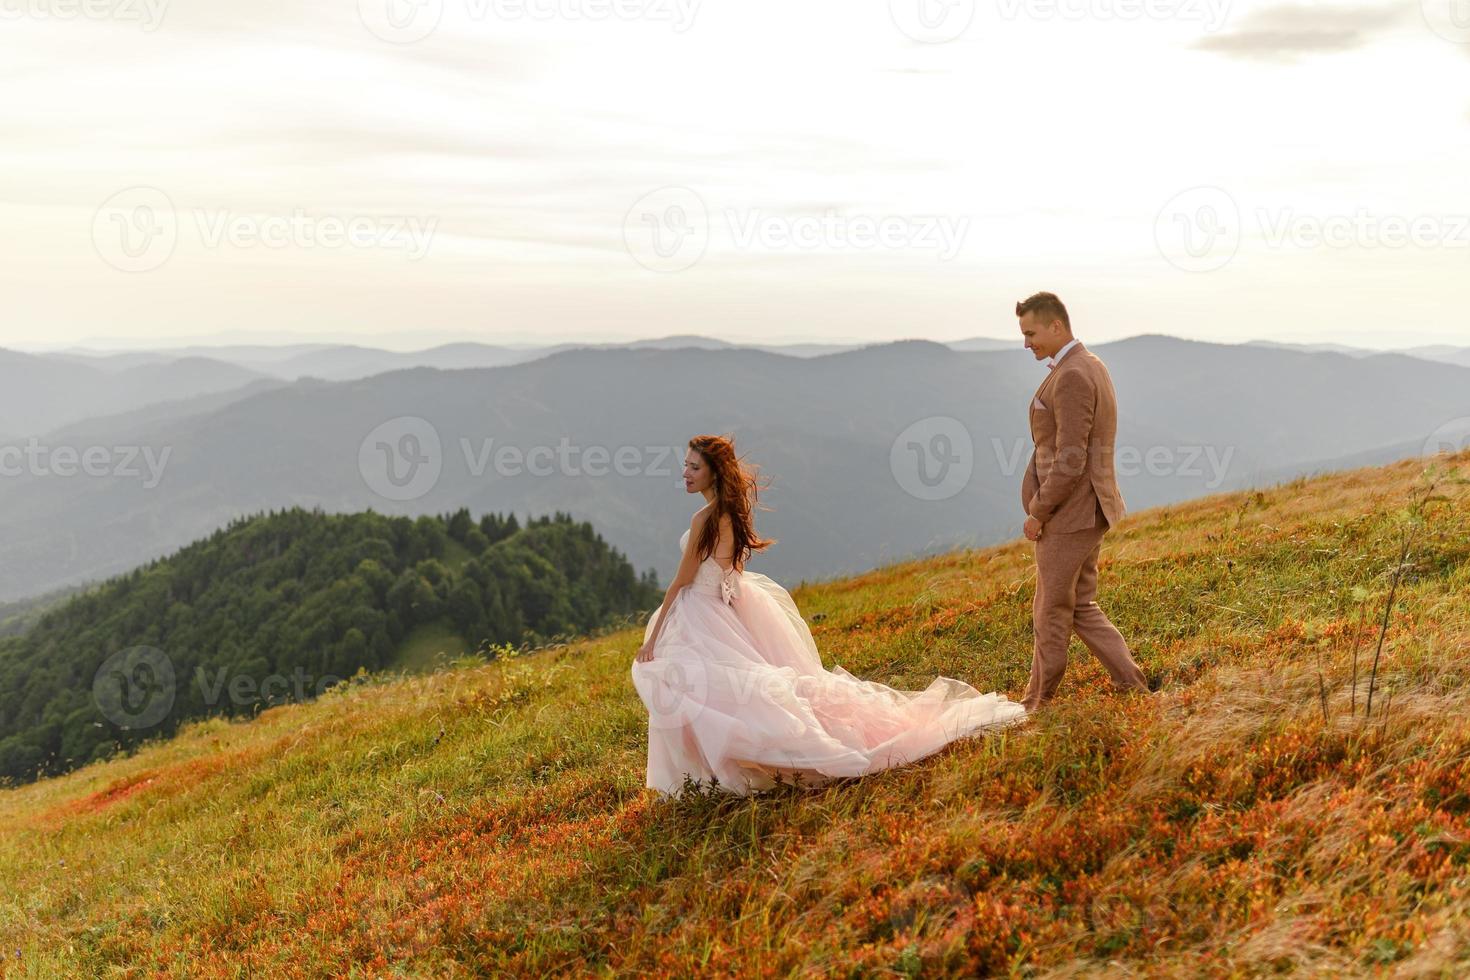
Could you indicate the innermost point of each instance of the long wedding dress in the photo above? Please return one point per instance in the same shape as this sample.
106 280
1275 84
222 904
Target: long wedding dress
736 693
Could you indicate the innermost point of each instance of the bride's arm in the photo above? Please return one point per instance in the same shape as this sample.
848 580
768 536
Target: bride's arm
688 567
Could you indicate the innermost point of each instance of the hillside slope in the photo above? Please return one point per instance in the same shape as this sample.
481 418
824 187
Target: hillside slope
491 819
279 606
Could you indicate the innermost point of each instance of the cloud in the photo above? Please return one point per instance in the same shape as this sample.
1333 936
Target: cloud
1288 31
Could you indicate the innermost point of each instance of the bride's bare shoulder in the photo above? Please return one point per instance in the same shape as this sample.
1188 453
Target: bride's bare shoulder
725 532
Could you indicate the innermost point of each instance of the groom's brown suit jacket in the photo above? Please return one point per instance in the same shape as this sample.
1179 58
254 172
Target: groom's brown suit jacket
1074 423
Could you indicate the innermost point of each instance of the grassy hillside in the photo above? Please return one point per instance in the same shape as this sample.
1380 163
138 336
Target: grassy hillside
489 819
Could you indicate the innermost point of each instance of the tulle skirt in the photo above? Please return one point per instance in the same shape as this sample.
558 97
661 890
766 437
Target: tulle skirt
737 694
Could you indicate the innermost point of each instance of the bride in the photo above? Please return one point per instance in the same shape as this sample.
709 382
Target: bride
735 690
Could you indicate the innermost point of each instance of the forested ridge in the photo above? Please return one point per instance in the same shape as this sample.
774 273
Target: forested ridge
283 605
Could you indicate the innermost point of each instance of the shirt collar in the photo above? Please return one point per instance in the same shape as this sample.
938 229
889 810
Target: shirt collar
1062 353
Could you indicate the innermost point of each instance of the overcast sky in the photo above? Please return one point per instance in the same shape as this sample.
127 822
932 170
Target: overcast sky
405 172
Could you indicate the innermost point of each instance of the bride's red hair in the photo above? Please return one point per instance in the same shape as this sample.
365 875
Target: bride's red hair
736 490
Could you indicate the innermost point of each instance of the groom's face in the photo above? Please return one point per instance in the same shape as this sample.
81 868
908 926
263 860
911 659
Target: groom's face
1043 338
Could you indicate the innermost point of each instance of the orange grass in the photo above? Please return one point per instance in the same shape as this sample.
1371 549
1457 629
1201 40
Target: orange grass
491 819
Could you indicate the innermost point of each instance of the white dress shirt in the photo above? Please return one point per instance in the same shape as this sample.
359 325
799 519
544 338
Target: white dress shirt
1062 353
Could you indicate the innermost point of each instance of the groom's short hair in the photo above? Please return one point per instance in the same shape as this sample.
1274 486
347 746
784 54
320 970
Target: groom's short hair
1047 307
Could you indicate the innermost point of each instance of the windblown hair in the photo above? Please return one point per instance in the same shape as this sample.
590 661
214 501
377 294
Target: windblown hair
1047 308
736 490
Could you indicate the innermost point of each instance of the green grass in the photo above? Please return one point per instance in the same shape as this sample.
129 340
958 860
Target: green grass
428 646
491 819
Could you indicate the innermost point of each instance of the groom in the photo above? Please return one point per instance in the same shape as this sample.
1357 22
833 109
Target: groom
1071 498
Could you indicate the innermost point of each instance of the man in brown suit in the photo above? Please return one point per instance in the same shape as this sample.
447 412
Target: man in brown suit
1071 498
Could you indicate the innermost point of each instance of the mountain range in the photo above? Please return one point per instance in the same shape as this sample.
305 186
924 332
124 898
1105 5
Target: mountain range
43 391
873 453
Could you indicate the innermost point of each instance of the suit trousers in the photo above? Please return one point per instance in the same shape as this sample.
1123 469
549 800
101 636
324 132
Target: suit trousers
1066 602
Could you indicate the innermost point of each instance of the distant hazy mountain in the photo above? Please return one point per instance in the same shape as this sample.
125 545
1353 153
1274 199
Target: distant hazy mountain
1317 348
346 362
1438 352
1286 407
118 361
255 356
1450 437
855 442
712 343
340 362
985 344
333 362
1442 352
40 393
124 426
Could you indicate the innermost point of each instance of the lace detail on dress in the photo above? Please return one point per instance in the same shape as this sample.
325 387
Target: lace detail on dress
713 579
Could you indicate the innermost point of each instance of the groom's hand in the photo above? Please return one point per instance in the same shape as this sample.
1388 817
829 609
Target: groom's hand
1032 528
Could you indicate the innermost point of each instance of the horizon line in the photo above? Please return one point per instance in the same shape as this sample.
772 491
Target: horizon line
163 346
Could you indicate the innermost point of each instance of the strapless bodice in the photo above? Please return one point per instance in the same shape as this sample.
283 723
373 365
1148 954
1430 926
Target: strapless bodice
711 579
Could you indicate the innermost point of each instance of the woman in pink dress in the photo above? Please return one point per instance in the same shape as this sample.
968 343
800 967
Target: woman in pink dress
735 691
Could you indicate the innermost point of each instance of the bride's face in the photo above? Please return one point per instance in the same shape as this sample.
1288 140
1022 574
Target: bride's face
697 474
